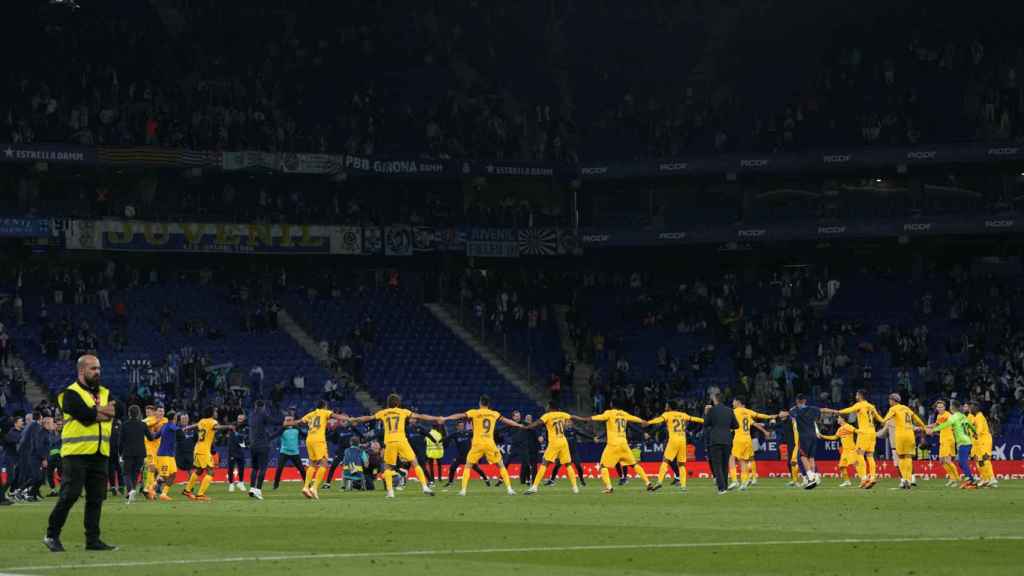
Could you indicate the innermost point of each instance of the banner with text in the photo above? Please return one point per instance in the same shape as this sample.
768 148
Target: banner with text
492 243
198 237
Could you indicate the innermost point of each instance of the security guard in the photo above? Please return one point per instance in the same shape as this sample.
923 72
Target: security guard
85 448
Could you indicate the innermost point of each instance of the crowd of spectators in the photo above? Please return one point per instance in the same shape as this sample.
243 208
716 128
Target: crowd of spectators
463 83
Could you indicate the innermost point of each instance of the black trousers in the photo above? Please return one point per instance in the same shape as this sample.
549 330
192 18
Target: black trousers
114 471
132 468
575 464
260 461
526 466
718 458
87 473
236 463
460 460
294 460
339 458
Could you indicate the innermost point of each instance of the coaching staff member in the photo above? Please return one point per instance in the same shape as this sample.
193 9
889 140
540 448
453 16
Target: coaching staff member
719 422
85 449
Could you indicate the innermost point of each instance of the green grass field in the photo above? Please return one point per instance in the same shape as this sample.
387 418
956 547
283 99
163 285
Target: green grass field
771 529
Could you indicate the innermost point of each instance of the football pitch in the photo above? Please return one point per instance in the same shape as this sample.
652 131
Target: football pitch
770 529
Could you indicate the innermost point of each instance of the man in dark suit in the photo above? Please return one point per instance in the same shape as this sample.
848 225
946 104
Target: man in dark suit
719 422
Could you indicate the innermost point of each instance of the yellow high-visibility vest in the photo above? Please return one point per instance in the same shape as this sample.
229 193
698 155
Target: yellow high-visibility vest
435 445
78 439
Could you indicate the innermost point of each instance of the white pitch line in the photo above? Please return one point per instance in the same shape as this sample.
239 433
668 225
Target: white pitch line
467 552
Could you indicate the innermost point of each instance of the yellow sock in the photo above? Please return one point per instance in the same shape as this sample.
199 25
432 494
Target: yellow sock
389 481
753 468
167 488
505 478
951 471
843 473
906 468
662 470
321 474
310 476
682 475
540 474
872 467
986 470
640 472
744 474
606 478
465 476
732 474
421 476
191 481
207 479
862 467
794 472
571 473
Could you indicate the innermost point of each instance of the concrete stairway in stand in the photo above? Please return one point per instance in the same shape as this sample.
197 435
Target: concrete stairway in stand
533 392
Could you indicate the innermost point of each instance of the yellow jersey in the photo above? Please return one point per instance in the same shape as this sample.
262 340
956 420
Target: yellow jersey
317 421
946 434
980 425
676 423
904 418
555 424
867 414
154 424
847 437
484 420
206 430
394 423
616 425
745 417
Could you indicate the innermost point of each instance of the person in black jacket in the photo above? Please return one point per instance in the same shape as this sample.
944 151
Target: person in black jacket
719 422
114 471
184 445
236 454
259 447
133 450
32 456
461 440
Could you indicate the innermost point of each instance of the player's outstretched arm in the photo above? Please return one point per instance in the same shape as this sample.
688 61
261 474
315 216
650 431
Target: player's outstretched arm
427 417
827 436
535 424
696 419
656 421
458 416
511 423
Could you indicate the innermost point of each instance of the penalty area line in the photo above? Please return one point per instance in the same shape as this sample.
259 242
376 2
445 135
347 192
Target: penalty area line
523 550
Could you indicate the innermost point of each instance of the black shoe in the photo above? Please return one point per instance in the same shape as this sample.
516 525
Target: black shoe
53 544
549 482
675 482
583 482
326 486
53 494
100 546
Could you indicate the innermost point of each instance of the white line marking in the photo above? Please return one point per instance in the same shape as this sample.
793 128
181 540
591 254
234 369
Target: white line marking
458 552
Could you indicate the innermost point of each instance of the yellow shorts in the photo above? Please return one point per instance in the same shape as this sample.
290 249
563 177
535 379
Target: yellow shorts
617 454
982 447
866 441
202 461
846 459
675 451
316 451
558 451
947 449
396 450
166 466
905 444
489 451
743 450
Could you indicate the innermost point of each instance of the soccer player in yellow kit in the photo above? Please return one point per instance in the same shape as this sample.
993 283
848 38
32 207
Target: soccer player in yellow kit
675 449
867 415
154 421
484 421
742 443
981 451
396 443
903 420
202 455
847 436
947 446
616 450
317 421
558 446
